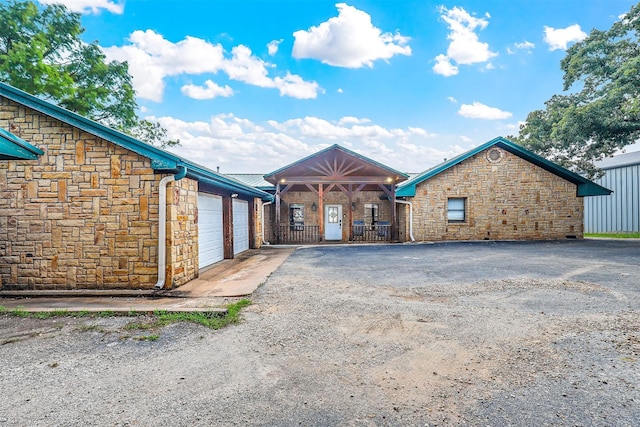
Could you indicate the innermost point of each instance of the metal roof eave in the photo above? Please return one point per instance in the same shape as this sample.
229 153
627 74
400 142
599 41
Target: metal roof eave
204 175
585 187
161 160
12 147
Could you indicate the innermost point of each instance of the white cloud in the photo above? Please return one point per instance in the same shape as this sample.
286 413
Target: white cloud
152 58
478 110
88 6
526 45
273 46
561 37
210 91
340 90
349 40
352 120
444 66
239 145
465 48
452 99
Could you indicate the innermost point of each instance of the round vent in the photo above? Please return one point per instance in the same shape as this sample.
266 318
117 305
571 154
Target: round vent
494 155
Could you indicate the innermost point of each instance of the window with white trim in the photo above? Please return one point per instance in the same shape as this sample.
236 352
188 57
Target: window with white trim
456 209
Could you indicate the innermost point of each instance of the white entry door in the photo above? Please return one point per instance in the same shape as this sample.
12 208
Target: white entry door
333 222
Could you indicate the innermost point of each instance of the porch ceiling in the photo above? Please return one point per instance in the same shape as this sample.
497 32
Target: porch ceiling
336 165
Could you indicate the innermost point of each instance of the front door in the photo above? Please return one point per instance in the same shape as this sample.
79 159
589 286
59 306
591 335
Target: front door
333 222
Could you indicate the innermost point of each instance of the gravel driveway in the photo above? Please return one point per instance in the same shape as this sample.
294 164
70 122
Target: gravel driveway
492 334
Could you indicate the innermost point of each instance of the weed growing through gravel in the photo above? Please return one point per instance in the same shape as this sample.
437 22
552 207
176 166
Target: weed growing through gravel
160 318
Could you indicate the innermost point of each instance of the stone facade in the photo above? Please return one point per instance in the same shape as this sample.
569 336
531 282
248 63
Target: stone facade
85 214
182 232
505 198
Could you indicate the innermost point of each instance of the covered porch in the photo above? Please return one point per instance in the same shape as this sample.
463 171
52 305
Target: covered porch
335 195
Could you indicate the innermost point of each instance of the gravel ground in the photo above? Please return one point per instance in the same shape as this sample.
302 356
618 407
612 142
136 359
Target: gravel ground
492 334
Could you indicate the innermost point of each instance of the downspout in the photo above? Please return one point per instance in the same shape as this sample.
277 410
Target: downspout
162 225
404 202
262 220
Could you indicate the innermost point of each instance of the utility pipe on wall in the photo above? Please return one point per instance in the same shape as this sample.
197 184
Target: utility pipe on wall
410 217
262 220
162 225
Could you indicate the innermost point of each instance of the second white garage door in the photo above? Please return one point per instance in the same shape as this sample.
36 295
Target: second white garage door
210 236
240 226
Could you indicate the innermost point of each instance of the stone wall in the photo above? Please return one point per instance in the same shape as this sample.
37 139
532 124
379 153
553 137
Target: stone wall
505 199
257 223
182 232
85 214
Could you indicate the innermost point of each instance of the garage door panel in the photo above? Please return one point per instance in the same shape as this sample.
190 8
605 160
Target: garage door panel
240 226
210 234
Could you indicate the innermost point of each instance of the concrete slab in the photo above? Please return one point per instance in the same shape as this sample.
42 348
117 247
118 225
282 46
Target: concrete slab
210 292
235 277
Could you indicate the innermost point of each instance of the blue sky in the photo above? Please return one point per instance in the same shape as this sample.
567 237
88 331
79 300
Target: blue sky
250 86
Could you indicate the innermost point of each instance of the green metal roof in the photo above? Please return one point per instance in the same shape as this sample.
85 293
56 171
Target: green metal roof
161 160
585 187
253 180
13 147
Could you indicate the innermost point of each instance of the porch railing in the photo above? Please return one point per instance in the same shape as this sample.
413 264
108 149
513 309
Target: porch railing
380 232
298 234
295 234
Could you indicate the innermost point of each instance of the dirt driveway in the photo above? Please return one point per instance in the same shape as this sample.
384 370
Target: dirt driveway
513 333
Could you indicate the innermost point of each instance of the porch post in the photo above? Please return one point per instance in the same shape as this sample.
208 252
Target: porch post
350 198
321 211
394 227
277 222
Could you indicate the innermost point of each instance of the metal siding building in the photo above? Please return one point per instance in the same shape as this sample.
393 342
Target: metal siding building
620 211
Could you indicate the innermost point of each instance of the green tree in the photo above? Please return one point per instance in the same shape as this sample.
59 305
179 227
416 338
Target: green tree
602 113
41 52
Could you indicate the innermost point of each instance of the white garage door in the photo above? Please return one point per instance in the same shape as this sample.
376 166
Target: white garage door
240 226
210 237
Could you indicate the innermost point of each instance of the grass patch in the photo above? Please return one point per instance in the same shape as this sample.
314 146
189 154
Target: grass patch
614 235
159 318
208 319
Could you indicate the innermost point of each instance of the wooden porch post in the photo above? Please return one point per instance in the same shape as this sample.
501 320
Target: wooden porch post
321 211
277 222
350 202
394 227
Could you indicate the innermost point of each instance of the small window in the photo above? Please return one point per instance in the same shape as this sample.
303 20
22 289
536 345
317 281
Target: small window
296 216
456 210
370 213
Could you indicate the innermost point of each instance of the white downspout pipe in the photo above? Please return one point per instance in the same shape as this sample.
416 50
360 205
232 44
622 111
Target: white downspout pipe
262 221
162 225
410 217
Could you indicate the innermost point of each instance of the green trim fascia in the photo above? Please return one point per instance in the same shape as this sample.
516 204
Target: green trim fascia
345 150
585 187
12 147
207 176
161 160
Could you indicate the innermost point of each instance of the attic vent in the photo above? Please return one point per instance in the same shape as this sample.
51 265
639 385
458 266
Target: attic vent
494 155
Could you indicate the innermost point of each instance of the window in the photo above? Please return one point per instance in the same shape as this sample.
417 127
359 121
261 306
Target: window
456 210
296 216
370 213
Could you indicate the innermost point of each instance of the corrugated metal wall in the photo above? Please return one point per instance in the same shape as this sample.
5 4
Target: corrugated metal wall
619 211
